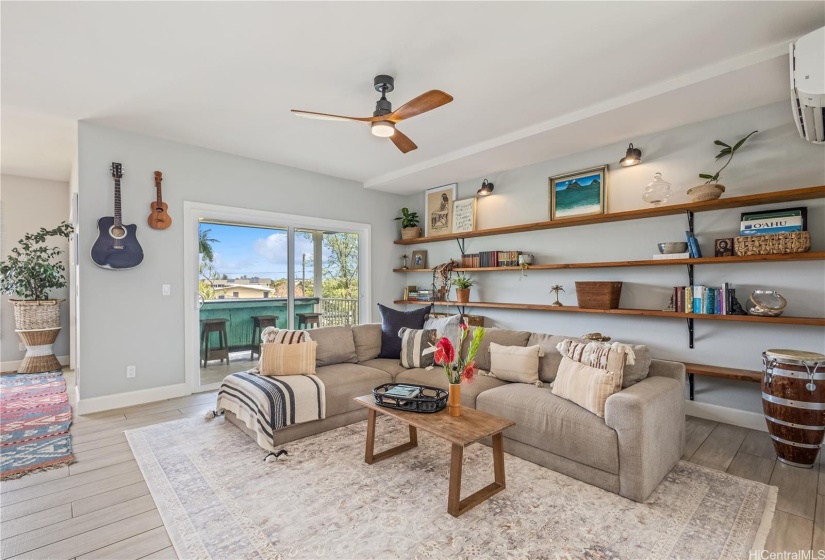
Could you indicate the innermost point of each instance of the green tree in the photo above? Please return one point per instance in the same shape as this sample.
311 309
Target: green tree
340 270
205 245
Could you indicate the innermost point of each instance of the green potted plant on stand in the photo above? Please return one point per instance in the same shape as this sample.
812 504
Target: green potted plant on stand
409 224
712 190
462 289
29 272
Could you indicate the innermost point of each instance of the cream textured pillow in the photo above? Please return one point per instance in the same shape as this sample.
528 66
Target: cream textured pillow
586 386
519 364
288 359
601 355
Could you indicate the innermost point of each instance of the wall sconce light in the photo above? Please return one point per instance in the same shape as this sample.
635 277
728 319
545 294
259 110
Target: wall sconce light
486 189
633 157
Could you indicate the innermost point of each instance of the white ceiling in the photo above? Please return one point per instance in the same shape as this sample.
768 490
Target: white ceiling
531 81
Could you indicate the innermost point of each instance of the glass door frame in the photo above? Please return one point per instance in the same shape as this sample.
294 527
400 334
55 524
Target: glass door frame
195 212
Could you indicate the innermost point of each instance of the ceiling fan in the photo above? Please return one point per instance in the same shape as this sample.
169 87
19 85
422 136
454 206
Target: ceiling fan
383 121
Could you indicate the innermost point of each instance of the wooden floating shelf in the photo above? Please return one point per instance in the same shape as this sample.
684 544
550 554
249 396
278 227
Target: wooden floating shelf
648 262
724 372
792 195
781 320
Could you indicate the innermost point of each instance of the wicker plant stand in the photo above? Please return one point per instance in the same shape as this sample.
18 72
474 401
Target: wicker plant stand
38 324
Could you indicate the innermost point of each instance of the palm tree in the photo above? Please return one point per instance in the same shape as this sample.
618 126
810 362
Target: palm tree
205 245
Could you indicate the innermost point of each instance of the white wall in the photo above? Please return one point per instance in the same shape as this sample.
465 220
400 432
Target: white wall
26 205
775 159
124 319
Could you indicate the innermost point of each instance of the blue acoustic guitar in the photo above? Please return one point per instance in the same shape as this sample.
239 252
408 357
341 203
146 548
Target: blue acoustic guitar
116 247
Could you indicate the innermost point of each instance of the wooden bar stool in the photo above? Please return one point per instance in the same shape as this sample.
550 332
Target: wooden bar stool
308 319
259 323
221 353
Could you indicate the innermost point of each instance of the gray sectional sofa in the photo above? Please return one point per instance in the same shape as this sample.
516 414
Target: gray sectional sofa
628 452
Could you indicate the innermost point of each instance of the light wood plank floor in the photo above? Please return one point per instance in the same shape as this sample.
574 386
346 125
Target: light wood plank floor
100 507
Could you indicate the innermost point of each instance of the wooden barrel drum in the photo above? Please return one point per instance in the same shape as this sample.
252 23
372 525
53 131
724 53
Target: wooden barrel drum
793 400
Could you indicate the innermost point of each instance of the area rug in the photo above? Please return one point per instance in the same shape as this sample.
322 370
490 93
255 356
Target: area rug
35 416
219 499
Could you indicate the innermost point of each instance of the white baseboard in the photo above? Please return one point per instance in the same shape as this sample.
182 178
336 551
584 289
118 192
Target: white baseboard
132 398
743 418
13 365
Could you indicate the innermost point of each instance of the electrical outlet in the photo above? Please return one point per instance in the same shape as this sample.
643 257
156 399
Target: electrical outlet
131 371
21 346
166 289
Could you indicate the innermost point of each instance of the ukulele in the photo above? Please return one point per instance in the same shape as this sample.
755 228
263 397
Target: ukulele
116 247
159 218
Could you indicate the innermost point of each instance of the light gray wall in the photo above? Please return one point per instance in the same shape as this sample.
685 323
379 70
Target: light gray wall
775 159
26 205
124 319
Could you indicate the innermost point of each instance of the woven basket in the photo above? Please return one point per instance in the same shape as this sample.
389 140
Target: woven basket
773 243
706 192
598 295
29 315
39 356
410 232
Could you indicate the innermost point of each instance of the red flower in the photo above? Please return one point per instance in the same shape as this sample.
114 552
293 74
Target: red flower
469 372
444 353
463 326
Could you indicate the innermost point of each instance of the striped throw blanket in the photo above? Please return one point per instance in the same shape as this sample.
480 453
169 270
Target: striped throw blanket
269 403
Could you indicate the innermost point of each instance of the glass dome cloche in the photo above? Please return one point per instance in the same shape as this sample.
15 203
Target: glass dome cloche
657 191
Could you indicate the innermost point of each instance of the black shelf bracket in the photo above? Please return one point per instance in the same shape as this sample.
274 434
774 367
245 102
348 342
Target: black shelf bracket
460 241
689 214
461 309
690 220
690 333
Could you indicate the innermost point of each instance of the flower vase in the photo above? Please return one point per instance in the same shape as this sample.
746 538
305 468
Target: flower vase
454 399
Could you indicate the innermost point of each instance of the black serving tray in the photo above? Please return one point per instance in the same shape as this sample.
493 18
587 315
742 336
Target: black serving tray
430 399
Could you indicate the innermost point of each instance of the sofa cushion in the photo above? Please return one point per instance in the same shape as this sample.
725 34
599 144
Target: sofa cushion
549 362
519 364
499 336
585 385
288 359
344 382
385 364
600 355
415 344
392 321
335 345
553 424
436 378
449 326
367 340
633 373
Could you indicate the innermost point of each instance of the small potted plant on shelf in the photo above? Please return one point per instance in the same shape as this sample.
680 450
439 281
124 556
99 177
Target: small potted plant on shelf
409 224
711 189
462 288
30 272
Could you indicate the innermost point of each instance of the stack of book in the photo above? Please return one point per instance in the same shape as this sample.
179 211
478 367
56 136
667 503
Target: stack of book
490 259
419 295
704 300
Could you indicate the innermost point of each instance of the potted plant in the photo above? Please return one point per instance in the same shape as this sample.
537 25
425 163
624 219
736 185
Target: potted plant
29 273
711 189
462 288
409 224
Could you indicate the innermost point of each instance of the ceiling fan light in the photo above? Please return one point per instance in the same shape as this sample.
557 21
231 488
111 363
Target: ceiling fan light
382 129
632 157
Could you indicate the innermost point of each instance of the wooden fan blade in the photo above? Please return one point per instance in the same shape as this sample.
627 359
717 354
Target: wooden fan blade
328 117
402 142
433 99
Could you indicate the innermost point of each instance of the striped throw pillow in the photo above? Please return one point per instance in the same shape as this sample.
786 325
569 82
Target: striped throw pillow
586 386
288 359
601 355
413 344
283 336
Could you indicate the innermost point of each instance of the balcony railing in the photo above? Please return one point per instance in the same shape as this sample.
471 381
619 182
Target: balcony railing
338 311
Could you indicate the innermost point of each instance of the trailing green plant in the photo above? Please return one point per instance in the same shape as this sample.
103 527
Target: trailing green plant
463 283
408 219
33 268
727 150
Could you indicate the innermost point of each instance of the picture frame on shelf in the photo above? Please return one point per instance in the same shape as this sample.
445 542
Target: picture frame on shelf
723 247
419 259
438 210
580 193
464 215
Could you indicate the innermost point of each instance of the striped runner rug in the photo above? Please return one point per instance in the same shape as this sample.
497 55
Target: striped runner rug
35 416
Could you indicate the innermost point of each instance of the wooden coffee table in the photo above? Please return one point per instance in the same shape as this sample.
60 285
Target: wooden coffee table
461 431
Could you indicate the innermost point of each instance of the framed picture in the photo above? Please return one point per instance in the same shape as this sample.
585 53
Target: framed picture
724 247
578 194
438 210
419 259
464 215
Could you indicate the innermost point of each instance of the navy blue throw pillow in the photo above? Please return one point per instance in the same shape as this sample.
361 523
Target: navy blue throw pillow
392 321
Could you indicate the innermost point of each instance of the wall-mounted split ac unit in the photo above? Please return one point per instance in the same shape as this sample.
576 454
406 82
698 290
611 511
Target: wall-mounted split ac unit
808 85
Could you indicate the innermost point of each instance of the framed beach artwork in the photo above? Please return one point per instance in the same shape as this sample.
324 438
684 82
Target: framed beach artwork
438 210
578 194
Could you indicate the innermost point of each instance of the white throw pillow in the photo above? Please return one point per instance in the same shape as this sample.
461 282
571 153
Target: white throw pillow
519 364
447 327
586 386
